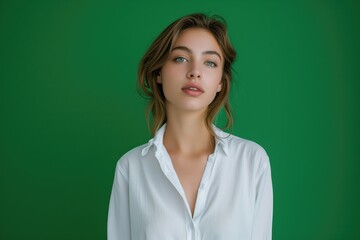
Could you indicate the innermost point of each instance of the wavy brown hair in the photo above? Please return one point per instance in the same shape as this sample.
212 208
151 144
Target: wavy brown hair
158 53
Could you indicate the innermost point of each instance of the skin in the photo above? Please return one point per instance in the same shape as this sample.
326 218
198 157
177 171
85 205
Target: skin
190 78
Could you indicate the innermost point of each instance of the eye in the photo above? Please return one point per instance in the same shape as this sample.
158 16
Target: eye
210 64
180 59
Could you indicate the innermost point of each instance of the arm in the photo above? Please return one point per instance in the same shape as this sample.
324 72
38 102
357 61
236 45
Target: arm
118 226
262 227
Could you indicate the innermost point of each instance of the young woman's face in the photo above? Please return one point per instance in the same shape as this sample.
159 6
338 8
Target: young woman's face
191 76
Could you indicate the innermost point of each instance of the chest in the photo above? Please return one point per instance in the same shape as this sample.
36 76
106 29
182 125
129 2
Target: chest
164 190
222 211
190 171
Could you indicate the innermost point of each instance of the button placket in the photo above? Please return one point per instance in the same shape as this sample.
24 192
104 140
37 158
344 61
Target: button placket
190 230
201 196
169 171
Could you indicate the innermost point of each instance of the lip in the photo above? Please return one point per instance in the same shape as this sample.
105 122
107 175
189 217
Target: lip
192 89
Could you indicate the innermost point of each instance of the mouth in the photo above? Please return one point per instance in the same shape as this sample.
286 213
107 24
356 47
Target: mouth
192 91
192 88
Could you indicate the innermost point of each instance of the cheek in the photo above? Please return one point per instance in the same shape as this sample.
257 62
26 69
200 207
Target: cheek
168 75
215 78
219 78
172 68
169 84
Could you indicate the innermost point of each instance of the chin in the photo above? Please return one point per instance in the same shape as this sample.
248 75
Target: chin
189 105
195 107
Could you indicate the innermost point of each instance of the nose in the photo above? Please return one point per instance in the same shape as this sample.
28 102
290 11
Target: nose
194 72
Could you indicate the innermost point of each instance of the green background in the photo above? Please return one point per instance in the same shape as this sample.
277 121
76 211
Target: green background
69 108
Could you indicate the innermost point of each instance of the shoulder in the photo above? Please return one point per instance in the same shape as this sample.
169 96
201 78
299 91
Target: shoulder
237 144
247 151
132 155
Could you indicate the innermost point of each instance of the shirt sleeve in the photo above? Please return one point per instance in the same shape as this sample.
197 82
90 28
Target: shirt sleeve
118 225
262 227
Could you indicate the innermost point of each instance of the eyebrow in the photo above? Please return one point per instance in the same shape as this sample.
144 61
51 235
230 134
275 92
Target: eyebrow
186 49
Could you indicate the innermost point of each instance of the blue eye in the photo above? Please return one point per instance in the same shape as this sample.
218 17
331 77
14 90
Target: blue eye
180 59
210 64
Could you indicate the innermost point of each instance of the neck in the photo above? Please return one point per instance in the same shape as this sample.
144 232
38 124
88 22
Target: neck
187 133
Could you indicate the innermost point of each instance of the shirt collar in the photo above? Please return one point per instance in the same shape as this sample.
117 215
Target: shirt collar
157 141
221 139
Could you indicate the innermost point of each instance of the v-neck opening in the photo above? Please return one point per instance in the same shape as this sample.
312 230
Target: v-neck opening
179 187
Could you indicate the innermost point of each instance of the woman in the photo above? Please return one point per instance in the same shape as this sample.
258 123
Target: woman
192 180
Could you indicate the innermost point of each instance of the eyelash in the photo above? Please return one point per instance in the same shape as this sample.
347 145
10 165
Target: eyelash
211 64
207 63
180 59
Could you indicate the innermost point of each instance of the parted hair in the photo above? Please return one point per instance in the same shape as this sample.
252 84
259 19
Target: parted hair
158 53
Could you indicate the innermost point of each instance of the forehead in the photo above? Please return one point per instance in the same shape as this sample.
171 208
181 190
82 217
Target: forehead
198 39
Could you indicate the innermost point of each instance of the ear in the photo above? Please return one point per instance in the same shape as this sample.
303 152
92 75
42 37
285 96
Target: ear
219 87
158 78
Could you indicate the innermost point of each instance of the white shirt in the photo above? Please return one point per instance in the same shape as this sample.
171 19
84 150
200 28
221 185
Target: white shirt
234 200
